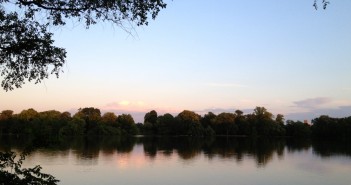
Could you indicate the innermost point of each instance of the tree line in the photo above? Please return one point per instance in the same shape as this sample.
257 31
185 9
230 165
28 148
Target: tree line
90 121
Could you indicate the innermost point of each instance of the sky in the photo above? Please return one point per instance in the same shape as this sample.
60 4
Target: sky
205 56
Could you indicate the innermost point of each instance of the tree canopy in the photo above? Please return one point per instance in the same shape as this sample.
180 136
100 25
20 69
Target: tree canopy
27 51
46 126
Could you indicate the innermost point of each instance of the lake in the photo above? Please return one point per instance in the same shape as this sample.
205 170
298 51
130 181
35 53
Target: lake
191 161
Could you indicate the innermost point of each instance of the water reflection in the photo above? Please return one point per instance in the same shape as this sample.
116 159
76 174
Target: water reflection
86 150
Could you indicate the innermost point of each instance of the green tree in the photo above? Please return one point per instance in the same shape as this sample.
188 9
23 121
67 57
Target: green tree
28 115
65 117
151 117
6 115
109 118
150 120
225 124
47 124
23 122
264 123
107 126
26 44
262 113
188 123
5 120
91 116
74 127
208 119
126 124
165 124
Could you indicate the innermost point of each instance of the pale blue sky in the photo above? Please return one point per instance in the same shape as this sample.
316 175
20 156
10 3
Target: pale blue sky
206 55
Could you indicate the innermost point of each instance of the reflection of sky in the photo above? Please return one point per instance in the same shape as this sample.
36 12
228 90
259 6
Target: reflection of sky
299 167
283 55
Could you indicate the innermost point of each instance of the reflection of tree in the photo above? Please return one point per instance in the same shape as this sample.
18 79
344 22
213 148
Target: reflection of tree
262 150
188 147
331 147
295 144
224 147
150 146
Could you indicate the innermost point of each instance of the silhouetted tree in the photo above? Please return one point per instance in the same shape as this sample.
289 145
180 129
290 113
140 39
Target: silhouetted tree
126 124
150 121
26 44
151 117
208 119
12 173
188 123
325 126
166 124
47 124
280 119
265 125
244 126
5 120
74 127
91 116
225 124
297 129
109 118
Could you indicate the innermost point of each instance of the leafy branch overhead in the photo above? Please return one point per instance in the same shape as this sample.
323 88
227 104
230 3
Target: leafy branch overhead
26 46
324 4
27 51
12 173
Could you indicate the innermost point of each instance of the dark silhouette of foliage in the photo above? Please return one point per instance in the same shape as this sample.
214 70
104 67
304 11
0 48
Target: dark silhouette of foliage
151 117
325 126
224 124
88 121
297 129
324 4
26 45
26 51
150 122
166 124
74 127
208 119
91 116
126 124
12 173
188 123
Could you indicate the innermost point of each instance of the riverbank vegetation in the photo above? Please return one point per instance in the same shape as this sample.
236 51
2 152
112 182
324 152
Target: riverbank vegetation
90 121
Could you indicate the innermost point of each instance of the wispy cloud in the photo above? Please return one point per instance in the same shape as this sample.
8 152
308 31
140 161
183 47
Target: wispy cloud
226 85
221 110
312 102
339 112
125 105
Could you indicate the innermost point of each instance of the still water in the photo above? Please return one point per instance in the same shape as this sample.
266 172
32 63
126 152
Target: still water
190 161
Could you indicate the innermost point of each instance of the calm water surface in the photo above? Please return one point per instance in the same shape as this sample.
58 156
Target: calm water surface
163 161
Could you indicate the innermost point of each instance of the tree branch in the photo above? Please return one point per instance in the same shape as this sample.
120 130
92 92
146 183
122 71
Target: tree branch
41 5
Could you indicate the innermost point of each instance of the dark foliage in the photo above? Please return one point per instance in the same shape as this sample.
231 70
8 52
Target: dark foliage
12 173
88 121
26 46
324 4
